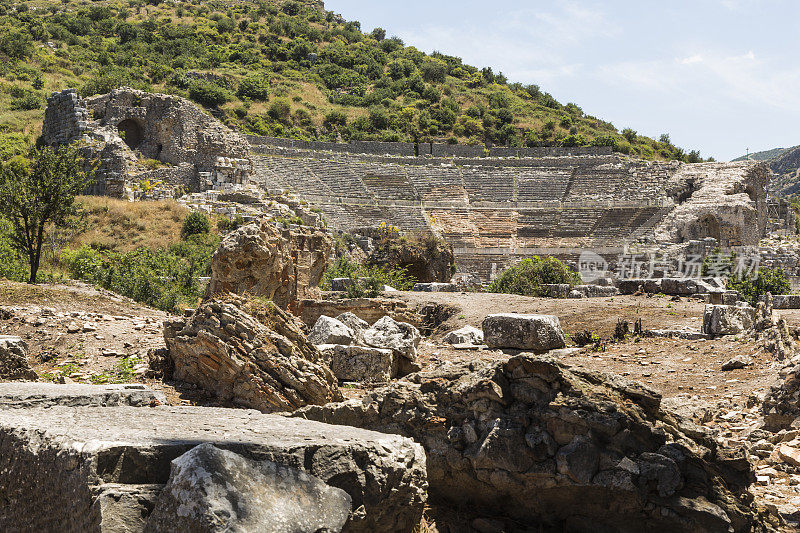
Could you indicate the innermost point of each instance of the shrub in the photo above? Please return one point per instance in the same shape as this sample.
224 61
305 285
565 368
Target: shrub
209 94
195 223
768 280
527 277
280 110
255 87
397 278
30 100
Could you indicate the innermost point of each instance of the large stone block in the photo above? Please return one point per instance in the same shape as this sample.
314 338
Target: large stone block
400 337
728 319
26 395
329 330
14 359
56 463
359 363
537 333
261 260
213 490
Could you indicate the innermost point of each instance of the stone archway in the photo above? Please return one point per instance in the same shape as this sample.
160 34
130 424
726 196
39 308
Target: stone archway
131 133
705 227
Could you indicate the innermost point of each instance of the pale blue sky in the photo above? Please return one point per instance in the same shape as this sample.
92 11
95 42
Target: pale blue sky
717 75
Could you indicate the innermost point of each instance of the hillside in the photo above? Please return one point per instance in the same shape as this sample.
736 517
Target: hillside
285 69
766 155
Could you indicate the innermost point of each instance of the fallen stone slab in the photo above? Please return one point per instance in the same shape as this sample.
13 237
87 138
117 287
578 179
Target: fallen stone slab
214 490
329 330
28 395
785 301
740 361
721 320
682 334
359 363
435 287
14 359
467 335
537 333
79 451
400 337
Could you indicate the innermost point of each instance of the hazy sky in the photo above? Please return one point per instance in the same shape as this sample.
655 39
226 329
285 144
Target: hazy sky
717 75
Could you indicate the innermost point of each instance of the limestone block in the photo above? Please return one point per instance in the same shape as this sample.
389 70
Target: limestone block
400 337
79 451
467 335
214 490
359 363
14 359
728 319
329 330
538 333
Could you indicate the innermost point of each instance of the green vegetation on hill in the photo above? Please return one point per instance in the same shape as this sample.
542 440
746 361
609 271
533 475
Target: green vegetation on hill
283 69
766 155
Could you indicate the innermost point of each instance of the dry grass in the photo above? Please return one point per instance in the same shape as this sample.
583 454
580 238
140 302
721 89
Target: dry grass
122 226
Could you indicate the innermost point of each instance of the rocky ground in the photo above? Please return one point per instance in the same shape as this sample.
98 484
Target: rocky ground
81 334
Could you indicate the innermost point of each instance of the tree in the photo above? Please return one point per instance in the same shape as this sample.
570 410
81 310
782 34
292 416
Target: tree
195 223
37 194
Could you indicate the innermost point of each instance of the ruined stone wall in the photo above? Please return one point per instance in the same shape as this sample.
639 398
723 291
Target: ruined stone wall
426 149
65 119
126 127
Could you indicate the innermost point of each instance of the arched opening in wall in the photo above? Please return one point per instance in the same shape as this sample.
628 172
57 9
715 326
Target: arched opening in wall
703 228
131 133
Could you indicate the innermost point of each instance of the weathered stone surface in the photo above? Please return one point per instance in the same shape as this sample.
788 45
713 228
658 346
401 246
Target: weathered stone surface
400 337
434 287
249 356
78 451
467 335
359 363
357 325
127 126
369 309
280 264
124 508
781 405
786 301
538 333
214 490
728 319
329 330
27 395
555 446
740 361
14 359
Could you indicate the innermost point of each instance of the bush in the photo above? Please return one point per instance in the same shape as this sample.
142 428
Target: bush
27 102
768 280
255 87
195 223
209 94
397 278
527 277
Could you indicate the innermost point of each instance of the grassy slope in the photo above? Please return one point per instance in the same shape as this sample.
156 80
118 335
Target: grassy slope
122 226
82 44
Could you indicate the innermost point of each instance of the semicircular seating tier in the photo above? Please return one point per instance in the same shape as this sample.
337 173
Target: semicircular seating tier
491 209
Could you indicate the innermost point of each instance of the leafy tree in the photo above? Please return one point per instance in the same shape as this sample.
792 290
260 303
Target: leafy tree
379 34
630 134
768 280
38 194
195 223
527 277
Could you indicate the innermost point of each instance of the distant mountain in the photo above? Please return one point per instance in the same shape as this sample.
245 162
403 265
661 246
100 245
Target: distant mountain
767 155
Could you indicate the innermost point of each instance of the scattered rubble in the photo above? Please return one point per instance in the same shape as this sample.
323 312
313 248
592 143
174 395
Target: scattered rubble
14 359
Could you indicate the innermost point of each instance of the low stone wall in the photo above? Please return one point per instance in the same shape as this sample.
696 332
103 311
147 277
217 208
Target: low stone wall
367 309
785 301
